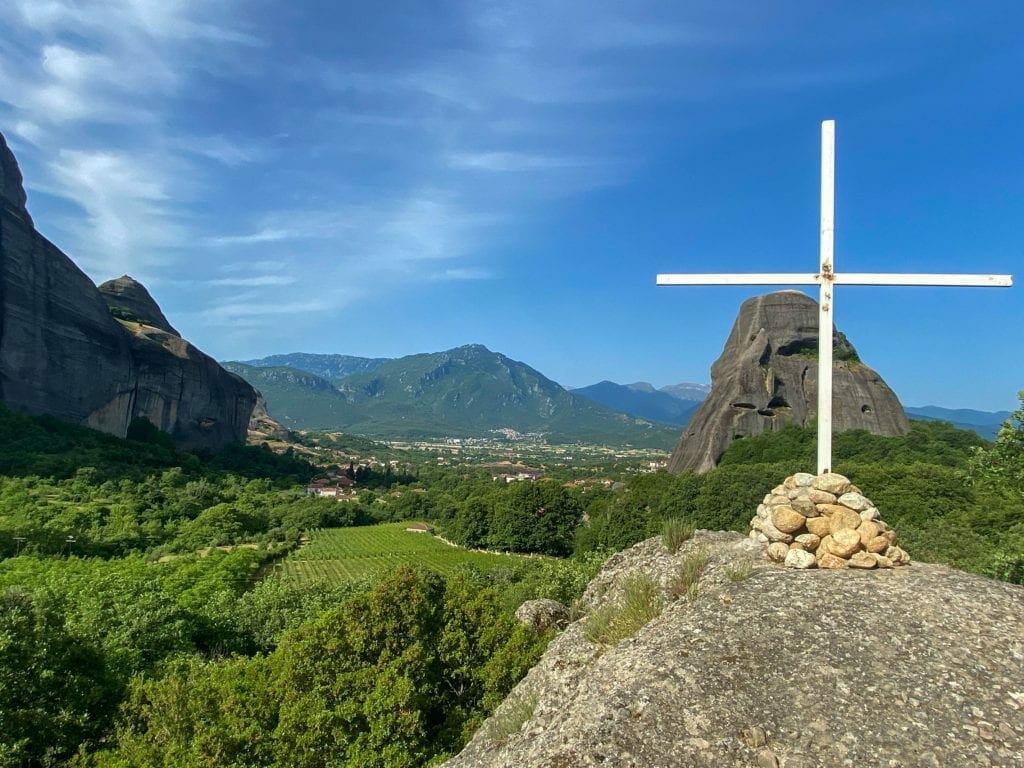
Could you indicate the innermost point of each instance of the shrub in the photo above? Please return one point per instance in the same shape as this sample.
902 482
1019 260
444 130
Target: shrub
512 717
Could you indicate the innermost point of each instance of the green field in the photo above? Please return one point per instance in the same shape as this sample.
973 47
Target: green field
335 555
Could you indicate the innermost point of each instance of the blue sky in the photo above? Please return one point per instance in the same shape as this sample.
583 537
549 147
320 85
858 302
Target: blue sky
380 181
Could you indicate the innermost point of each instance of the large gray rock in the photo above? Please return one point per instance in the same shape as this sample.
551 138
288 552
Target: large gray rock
263 427
767 377
918 666
126 297
62 353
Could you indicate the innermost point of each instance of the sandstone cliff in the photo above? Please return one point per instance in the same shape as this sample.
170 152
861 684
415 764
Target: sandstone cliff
767 377
264 428
765 666
63 353
128 299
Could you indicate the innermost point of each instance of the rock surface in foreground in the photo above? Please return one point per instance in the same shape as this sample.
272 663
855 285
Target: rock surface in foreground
920 666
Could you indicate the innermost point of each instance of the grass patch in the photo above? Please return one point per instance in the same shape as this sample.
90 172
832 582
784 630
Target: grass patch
685 581
674 532
639 602
510 719
740 571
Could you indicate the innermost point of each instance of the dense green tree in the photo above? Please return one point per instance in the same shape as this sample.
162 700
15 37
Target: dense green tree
55 689
1003 461
535 517
394 676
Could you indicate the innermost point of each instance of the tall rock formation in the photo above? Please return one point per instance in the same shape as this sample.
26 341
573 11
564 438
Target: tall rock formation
767 377
63 353
128 299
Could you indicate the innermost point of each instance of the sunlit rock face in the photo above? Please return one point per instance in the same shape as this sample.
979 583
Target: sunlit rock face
767 377
63 353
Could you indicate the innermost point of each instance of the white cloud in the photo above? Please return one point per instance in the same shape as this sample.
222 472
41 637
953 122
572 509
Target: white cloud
222 150
257 265
516 162
258 281
261 236
128 224
464 273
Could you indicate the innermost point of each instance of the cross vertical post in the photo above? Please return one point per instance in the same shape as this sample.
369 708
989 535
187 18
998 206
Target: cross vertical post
826 279
826 302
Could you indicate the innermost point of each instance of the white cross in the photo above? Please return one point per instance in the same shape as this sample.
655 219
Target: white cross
826 278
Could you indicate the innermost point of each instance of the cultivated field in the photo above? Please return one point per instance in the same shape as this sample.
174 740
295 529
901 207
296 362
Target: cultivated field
335 555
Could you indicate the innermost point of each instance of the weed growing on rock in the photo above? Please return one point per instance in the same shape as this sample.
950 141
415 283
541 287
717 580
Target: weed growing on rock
674 532
687 575
639 602
511 718
739 571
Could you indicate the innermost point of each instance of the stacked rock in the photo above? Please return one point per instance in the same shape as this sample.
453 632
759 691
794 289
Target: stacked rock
824 521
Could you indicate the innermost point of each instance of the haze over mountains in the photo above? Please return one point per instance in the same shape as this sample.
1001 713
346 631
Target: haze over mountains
468 391
642 399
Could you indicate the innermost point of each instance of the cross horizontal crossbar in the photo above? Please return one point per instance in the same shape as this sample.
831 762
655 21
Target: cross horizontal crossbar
844 278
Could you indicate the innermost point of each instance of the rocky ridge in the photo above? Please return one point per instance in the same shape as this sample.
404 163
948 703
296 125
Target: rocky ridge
767 377
768 666
63 353
129 300
265 428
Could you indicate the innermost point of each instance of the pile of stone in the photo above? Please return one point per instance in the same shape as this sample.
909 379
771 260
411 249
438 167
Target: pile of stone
824 521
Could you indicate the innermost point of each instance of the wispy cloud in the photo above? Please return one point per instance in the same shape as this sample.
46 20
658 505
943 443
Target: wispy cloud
260 236
258 281
515 162
89 85
464 273
192 138
128 211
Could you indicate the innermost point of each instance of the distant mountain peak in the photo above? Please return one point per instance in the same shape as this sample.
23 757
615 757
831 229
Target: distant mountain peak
637 400
467 391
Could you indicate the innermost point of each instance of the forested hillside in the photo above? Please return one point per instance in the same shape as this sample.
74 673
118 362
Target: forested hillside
142 624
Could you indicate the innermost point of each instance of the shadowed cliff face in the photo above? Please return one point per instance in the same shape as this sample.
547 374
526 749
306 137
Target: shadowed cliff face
62 353
12 192
767 377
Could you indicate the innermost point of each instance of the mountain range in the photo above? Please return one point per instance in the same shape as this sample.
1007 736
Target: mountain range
330 367
468 391
643 400
985 423
471 391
